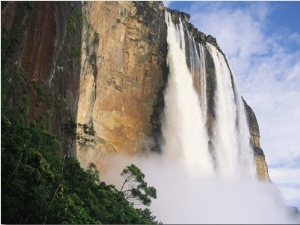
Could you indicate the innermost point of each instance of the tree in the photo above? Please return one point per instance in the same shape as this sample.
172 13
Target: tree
35 191
137 189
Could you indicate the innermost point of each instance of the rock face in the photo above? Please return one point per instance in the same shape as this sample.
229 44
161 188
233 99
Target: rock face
101 64
261 165
122 85
42 61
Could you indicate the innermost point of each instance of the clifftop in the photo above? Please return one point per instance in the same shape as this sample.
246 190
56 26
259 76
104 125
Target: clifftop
198 36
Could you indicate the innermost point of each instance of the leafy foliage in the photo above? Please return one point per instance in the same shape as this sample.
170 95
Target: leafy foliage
137 188
35 191
82 133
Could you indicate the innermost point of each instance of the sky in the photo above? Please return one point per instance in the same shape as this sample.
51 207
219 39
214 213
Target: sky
261 41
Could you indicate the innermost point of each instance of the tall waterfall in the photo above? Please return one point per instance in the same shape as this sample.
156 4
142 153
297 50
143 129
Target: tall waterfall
184 128
231 133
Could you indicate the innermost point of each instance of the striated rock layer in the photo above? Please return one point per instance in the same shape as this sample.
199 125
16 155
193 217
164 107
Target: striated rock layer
100 63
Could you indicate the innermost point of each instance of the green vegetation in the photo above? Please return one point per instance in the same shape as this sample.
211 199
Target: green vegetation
39 185
139 190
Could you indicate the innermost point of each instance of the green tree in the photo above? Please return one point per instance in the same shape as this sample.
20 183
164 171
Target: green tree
136 188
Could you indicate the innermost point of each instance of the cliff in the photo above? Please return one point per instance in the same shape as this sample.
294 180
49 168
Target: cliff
101 64
41 62
261 165
121 87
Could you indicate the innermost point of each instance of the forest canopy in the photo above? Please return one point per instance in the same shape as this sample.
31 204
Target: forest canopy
39 186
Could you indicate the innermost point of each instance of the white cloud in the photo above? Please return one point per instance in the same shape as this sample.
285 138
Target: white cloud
272 88
289 189
267 67
238 32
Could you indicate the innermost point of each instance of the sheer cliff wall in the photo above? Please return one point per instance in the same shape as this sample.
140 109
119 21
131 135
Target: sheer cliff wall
99 63
123 74
40 62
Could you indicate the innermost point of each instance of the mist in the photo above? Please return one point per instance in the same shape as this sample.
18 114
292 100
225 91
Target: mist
184 198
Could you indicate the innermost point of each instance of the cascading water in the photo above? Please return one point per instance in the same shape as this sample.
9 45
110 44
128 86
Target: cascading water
198 70
184 130
231 133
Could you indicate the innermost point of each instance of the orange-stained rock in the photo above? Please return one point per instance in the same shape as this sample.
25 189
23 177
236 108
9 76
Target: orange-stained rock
119 88
261 168
261 165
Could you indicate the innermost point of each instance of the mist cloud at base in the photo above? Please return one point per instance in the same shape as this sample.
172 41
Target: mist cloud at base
184 198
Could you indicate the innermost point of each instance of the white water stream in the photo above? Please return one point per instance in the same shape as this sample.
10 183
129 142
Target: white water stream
231 133
184 129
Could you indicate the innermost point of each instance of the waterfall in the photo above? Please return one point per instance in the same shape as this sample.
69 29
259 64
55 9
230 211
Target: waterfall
202 79
184 127
245 156
231 139
198 70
